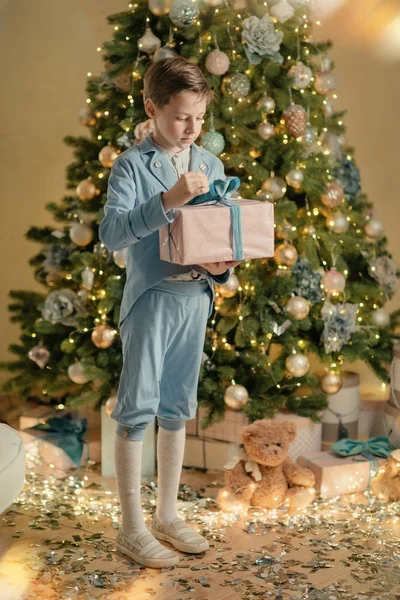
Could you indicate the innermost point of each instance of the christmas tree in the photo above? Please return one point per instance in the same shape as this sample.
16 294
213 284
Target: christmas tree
274 125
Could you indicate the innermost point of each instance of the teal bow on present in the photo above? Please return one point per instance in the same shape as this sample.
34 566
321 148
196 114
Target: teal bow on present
66 434
219 192
377 446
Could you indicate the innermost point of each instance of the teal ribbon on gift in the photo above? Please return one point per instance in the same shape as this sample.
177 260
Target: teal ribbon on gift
370 449
65 433
219 192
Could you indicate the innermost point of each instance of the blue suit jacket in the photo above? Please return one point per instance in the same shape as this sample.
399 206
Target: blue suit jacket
134 213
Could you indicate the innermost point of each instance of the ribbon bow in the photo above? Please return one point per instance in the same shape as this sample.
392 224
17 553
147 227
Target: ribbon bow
377 446
219 192
66 434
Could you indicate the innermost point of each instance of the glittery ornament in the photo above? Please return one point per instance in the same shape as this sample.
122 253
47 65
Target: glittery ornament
86 117
265 130
217 62
111 403
107 155
297 364
149 42
81 234
301 75
310 135
229 289
275 186
374 228
103 336
40 355
337 223
331 145
295 118
236 396
239 85
286 254
295 178
183 13
120 257
325 82
86 190
297 307
160 7
266 104
213 141
77 374
333 196
87 278
282 11
331 383
380 318
333 281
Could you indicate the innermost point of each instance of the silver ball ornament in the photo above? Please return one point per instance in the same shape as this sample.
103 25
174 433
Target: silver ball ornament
310 135
297 307
266 104
229 289
149 42
120 257
239 85
374 228
213 141
236 396
337 223
265 130
331 383
183 13
380 318
297 364
77 374
295 178
40 355
160 7
275 186
301 75
217 62
81 234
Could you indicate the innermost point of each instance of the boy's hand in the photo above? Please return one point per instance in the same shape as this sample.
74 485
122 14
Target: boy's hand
220 267
188 186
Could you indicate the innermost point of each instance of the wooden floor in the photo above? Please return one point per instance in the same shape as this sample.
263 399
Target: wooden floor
57 542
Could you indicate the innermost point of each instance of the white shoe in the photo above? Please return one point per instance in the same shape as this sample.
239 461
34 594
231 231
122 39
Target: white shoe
179 535
145 550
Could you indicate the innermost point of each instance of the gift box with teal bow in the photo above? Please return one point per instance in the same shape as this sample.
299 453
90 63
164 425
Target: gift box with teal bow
213 227
348 467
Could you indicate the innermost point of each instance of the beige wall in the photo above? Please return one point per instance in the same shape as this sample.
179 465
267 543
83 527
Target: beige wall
48 47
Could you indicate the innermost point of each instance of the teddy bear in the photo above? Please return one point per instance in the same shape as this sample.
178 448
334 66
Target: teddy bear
263 475
386 483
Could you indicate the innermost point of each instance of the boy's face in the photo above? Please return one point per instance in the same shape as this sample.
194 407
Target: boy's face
178 123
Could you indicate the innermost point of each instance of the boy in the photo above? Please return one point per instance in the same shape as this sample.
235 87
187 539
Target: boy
165 307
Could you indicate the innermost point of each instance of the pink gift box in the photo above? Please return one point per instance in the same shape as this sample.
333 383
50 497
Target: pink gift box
337 475
202 233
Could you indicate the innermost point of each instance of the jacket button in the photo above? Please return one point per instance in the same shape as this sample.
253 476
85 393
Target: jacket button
157 164
203 167
125 434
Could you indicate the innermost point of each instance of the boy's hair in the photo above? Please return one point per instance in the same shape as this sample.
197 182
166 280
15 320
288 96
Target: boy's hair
170 76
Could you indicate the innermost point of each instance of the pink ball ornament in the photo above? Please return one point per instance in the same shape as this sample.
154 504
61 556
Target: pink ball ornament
333 281
217 62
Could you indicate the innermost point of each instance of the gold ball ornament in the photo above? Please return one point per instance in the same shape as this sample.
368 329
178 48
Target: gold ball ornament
265 130
295 178
266 104
77 374
160 7
380 318
337 223
107 155
236 396
331 383
120 257
297 364
229 289
86 190
81 234
297 307
333 281
149 42
103 336
333 196
295 118
275 186
110 404
286 254
217 62
86 117
374 228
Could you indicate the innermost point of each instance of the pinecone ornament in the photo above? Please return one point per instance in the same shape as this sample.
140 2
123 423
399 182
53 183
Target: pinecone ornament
295 118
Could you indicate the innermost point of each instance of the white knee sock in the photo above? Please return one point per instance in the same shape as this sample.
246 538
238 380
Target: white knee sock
170 450
128 465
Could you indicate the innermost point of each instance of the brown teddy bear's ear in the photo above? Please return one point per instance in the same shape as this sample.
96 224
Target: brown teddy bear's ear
291 430
246 434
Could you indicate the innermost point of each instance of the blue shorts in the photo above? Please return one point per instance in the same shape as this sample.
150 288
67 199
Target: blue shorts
162 347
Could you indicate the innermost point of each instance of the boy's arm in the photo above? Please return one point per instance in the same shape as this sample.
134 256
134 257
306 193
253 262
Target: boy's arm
223 278
123 222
